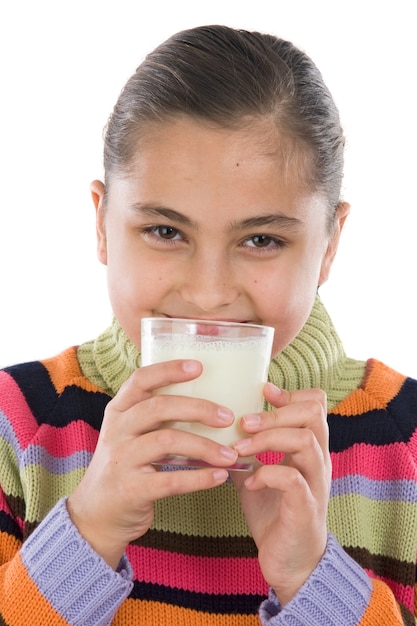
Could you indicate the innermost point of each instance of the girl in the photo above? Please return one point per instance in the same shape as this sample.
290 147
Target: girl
221 200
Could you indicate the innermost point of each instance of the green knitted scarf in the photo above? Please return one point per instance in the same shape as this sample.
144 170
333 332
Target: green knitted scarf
315 358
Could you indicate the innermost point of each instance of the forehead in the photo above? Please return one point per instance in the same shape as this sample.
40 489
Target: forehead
258 137
185 164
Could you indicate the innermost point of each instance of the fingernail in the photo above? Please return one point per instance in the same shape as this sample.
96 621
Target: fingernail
225 415
242 444
249 481
228 453
252 420
274 388
190 366
220 475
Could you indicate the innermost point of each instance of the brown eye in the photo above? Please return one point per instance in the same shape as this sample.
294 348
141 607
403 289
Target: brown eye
263 244
167 232
161 234
261 241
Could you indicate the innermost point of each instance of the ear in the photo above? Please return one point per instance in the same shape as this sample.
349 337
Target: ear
342 211
97 193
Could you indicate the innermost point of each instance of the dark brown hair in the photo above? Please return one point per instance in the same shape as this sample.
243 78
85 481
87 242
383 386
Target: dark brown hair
229 78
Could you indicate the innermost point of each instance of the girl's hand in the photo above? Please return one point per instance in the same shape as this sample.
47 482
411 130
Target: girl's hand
285 505
114 502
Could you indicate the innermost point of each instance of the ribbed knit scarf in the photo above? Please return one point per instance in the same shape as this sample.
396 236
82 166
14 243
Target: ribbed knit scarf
315 358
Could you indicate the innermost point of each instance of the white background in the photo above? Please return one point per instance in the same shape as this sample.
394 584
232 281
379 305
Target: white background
62 65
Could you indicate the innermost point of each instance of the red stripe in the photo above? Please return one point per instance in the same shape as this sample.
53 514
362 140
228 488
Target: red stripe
62 442
14 405
390 462
213 575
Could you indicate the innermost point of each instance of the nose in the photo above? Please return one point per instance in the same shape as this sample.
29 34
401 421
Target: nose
209 283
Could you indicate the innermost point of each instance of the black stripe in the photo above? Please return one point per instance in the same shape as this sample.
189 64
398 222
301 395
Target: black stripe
199 545
49 407
378 427
9 526
399 571
35 384
407 617
238 604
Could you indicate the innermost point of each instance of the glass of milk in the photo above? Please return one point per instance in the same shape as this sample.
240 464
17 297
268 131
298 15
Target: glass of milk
235 359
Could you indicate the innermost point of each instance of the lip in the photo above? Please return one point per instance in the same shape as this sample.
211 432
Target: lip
209 319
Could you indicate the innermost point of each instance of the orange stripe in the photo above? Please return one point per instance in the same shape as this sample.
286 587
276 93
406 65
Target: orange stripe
382 381
157 614
9 546
382 608
28 605
64 370
380 386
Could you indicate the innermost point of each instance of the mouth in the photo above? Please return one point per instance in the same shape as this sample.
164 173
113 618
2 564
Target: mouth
227 320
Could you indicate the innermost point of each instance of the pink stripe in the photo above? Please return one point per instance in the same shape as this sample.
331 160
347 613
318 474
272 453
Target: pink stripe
61 442
413 442
14 405
389 462
215 575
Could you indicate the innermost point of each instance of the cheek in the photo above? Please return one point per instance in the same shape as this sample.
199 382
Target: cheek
285 301
293 316
135 286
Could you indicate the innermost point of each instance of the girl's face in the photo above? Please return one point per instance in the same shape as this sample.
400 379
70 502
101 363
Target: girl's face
211 224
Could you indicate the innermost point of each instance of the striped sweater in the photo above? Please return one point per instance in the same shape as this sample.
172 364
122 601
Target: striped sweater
197 565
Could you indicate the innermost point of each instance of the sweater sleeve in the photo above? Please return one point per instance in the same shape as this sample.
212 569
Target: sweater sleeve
57 578
338 592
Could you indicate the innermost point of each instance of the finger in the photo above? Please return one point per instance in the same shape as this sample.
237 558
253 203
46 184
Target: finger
145 380
301 449
308 413
298 415
165 484
239 477
296 496
165 442
157 411
282 478
281 397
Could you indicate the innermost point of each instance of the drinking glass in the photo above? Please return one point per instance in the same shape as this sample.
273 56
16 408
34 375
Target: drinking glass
235 358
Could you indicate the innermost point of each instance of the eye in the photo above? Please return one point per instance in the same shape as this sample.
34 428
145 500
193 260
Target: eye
166 232
263 242
162 231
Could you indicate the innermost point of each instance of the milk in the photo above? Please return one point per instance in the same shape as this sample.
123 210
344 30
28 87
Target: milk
234 373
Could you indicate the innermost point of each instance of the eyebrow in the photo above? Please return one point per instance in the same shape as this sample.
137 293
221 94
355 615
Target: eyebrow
157 211
269 219
257 221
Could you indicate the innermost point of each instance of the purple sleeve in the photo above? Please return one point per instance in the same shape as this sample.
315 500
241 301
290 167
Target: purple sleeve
73 578
337 592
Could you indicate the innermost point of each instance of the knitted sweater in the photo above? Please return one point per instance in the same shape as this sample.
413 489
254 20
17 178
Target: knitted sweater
197 565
